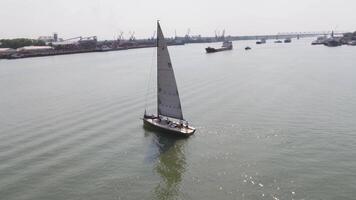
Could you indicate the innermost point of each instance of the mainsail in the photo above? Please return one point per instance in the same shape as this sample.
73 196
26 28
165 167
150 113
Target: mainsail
168 102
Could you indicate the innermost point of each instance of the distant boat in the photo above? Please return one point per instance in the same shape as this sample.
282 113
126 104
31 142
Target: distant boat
262 41
104 48
278 41
227 45
247 48
169 118
16 56
287 40
319 41
333 42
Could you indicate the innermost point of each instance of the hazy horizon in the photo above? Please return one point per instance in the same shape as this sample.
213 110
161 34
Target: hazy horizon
107 18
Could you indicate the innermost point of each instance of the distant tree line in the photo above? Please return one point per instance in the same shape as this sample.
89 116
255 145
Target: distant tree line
20 42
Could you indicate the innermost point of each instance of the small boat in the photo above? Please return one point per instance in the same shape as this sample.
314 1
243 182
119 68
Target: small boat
247 48
262 41
278 41
169 118
104 48
287 40
227 45
319 41
16 56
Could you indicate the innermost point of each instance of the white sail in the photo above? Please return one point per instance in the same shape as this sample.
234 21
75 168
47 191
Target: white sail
168 102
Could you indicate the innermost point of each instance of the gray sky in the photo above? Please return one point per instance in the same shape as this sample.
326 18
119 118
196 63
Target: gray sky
105 18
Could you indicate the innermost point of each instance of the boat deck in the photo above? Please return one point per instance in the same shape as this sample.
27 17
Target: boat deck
170 126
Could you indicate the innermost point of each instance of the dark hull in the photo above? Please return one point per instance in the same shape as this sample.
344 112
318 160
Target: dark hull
332 43
151 126
317 43
213 50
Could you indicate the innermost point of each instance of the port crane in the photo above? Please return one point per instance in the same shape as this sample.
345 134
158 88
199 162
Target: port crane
132 36
218 36
120 36
79 37
187 35
117 39
89 38
223 34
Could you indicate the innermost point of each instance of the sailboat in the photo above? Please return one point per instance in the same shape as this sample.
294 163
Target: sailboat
169 117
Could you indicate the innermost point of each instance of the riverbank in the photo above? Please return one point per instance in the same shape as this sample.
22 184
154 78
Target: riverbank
32 52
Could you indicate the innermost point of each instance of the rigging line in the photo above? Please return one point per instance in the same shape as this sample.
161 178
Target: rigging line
149 78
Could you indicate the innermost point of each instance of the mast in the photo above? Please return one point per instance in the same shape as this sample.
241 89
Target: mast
168 101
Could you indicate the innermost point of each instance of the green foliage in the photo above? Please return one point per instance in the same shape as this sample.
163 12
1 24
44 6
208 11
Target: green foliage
20 42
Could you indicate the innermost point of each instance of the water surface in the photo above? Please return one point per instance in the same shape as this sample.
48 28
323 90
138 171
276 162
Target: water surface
276 122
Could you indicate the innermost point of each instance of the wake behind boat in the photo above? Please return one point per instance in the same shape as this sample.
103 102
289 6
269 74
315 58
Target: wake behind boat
227 45
169 118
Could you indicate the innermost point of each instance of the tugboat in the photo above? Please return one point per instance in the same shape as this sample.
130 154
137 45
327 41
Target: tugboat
227 45
332 42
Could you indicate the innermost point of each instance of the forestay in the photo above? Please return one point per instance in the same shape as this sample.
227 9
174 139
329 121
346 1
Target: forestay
168 102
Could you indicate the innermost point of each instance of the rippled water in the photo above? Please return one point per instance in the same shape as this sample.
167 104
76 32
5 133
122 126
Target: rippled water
276 122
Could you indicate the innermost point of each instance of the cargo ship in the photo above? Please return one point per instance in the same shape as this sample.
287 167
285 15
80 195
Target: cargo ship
227 45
